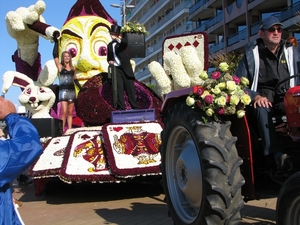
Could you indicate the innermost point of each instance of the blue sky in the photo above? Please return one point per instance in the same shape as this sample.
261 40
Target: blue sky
55 14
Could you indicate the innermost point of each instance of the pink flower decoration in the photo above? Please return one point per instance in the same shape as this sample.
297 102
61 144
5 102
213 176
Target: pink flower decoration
228 99
200 91
208 99
221 111
236 79
215 75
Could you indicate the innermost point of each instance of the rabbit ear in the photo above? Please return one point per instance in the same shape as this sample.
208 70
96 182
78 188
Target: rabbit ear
10 78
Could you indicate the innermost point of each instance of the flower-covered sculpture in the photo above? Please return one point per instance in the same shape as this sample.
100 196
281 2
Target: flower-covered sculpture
26 25
89 55
36 96
183 61
90 160
88 20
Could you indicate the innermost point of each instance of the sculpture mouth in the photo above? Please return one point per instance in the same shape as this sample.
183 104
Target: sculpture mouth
37 106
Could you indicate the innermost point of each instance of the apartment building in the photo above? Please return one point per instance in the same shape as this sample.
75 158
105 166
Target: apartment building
230 24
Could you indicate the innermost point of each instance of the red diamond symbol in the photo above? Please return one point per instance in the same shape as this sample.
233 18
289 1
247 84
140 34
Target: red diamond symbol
178 46
196 43
171 47
187 44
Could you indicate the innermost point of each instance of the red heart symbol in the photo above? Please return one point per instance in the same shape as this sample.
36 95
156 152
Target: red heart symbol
117 129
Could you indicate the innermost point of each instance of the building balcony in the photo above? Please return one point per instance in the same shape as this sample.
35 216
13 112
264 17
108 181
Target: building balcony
288 17
216 47
143 74
171 16
136 9
242 35
212 24
151 11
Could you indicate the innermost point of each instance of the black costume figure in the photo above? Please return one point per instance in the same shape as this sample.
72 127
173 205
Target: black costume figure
118 56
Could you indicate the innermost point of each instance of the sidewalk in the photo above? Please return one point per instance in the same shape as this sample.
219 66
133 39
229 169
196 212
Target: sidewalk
122 204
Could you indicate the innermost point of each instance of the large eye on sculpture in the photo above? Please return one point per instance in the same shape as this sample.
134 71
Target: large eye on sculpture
100 48
42 90
72 49
28 91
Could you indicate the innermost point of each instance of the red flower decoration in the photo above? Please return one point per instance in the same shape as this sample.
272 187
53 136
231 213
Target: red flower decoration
208 99
236 79
215 75
228 99
221 111
200 90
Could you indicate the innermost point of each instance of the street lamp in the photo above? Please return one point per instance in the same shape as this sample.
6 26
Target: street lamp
123 7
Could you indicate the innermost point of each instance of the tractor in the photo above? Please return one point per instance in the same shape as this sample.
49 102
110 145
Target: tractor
210 168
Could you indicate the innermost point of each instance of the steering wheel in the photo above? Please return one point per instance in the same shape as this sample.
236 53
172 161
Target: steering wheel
284 80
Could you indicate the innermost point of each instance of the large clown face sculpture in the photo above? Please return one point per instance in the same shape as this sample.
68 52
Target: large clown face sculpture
86 38
85 34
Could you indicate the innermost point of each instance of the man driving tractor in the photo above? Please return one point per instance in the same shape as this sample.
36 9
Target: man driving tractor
266 62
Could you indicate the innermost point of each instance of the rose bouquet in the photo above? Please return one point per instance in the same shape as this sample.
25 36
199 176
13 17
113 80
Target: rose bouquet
134 27
220 94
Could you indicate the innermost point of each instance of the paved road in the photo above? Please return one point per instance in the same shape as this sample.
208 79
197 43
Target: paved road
123 204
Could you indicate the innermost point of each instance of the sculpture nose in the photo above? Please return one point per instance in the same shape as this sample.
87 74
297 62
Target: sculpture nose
84 65
32 99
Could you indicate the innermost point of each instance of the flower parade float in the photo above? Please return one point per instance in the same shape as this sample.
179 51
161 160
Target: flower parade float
190 141
104 145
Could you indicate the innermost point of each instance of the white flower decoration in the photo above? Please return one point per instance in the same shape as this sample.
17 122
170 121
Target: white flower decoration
164 83
178 72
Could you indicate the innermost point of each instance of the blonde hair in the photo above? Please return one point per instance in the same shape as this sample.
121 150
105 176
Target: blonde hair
62 62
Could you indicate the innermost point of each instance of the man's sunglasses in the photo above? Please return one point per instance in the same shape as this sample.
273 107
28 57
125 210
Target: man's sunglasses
273 29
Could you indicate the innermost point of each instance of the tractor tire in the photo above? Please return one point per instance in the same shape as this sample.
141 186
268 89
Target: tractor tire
201 169
288 202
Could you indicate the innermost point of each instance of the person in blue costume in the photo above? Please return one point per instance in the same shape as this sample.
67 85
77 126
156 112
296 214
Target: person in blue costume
67 78
16 154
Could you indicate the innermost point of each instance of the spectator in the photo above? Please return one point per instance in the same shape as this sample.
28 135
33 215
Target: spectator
16 154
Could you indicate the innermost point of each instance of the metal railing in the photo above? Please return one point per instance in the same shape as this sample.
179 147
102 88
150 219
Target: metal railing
290 11
196 6
214 20
168 17
237 37
151 11
216 47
